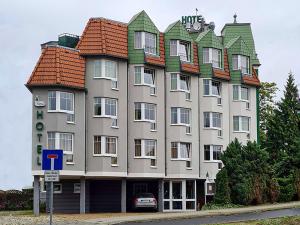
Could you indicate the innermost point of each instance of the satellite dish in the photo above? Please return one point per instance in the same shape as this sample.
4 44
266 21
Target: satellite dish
212 25
196 26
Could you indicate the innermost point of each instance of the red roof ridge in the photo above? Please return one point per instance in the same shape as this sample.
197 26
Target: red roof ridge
109 20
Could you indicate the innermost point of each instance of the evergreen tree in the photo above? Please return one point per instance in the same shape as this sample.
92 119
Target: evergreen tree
283 133
222 195
267 92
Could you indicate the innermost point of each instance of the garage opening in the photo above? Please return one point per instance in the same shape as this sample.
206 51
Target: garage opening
136 187
105 195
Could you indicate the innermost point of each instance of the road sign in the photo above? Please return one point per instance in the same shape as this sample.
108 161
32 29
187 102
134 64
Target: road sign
52 159
51 175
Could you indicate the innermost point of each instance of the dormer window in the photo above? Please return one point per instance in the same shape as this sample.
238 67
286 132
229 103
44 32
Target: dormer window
241 62
146 41
213 56
181 49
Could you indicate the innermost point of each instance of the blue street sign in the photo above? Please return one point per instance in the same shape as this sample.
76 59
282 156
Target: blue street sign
52 159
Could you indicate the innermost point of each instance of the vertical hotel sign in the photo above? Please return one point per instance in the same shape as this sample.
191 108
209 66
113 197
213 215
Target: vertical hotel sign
39 127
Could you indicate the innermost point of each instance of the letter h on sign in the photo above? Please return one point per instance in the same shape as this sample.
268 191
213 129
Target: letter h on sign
52 159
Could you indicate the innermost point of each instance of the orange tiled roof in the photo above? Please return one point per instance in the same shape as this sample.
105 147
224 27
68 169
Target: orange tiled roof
104 37
251 80
223 74
160 61
58 66
192 67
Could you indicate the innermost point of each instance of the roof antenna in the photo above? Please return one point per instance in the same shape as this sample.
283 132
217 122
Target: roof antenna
196 12
234 16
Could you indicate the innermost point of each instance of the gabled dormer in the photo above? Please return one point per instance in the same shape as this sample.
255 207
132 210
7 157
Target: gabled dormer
145 42
180 49
212 57
239 58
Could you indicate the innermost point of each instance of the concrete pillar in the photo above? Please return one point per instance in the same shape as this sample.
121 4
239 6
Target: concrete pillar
82 195
160 195
36 195
183 195
123 195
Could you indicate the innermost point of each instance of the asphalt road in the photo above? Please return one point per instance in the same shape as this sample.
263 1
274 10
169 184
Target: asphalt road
223 219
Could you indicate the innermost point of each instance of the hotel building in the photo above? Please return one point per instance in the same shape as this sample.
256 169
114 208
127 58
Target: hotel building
138 110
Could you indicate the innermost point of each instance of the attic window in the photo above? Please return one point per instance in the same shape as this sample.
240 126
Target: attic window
181 49
241 62
146 41
213 56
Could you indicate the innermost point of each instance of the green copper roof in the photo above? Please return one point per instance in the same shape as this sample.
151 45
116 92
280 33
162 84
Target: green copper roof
208 38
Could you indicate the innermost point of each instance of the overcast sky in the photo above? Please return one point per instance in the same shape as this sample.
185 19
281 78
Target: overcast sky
24 25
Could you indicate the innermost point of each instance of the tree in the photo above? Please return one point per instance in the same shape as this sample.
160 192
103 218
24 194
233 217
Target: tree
267 93
283 133
248 172
222 195
283 141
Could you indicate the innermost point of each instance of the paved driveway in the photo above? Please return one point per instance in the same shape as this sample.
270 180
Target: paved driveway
224 219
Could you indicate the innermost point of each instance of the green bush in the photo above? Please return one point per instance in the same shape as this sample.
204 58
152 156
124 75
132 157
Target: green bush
287 189
222 195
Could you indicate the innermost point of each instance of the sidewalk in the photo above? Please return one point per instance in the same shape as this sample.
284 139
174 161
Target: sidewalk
181 215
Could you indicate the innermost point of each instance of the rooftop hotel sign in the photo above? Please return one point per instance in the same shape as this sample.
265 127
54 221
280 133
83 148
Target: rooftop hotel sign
191 19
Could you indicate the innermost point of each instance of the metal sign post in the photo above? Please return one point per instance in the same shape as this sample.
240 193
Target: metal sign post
52 163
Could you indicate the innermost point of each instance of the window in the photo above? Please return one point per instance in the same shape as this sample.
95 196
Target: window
62 141
212 152
240 93
181 49
213 56
76 188
241 62
104 68
145 148
144 112
146 41
144 76
180 82
180 116
105 146
59 101
181 151
105 107
211 87
241 123
212 120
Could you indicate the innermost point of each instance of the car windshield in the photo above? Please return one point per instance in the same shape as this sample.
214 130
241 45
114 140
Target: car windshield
145 195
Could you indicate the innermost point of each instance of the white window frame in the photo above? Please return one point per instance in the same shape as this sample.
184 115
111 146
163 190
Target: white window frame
103 146
57 101
103 108
211 153
211 121
57 142
178 75
178 109
239 64
240 93
210 88
143 110
178 47
76 190
142 68
210 57
60 188
143 42
143 147
179 158
102 65
240 124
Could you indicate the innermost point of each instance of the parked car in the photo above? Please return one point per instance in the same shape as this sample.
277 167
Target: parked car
145 200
